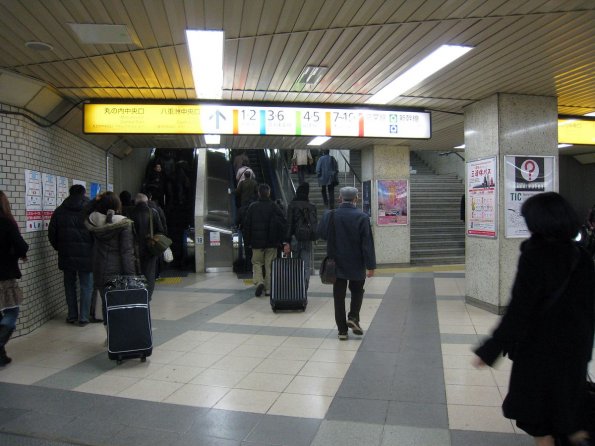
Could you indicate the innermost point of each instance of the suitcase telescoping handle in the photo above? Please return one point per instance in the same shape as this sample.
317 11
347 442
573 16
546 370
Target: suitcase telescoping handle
287 256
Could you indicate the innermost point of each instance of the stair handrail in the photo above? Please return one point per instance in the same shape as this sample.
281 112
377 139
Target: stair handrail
351 169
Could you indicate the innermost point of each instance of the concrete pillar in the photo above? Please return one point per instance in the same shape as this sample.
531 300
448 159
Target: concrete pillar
392 243
500 125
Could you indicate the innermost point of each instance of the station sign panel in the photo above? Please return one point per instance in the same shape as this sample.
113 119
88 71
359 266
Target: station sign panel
255 119
575 130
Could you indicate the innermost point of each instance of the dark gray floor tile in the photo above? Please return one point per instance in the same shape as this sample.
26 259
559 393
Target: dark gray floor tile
419 385
90 430
453 274
37 424
7 415
415 359
380 344
358 410
425 343
367 383
18 440
472 438
67 379
145 414
414 436
286 431
374 360
417 414
225 424
348 433
133 436
193 439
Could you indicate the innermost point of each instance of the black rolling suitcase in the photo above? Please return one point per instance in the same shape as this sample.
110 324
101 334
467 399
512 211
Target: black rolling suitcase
128 319
288 284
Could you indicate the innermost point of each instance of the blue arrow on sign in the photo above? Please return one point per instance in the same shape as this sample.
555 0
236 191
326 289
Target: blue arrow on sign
218 115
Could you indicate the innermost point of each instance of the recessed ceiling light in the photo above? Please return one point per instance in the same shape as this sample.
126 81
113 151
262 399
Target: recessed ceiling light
429 65
212 139
206 58
39 46
319 140
590 114
462 146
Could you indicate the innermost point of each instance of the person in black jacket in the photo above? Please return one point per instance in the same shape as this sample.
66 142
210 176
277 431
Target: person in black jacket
264 231
141 215
73 241
301 213
12 248
547 330
355 256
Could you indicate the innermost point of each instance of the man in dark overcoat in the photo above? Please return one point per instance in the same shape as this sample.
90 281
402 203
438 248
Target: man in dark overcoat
354 254
73 241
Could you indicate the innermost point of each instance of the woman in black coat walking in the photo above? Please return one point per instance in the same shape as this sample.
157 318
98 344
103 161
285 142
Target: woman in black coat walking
548 328
12 248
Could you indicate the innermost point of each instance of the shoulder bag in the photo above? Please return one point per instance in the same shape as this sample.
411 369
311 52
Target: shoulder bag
328 268
156 243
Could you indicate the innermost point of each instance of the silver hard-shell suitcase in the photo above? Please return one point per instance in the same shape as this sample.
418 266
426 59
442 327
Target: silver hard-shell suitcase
288 284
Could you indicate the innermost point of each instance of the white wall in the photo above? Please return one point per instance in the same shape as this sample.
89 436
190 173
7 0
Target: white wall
25 145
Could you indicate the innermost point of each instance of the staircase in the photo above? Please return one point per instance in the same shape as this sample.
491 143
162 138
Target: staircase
437 233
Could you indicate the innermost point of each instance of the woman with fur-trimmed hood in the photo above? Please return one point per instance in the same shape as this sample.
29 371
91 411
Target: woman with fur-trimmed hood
113 250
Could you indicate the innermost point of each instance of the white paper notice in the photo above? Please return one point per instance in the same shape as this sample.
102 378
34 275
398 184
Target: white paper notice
33 201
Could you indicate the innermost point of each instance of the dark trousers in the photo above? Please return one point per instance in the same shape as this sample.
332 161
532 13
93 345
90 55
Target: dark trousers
148 268
329 200
357 296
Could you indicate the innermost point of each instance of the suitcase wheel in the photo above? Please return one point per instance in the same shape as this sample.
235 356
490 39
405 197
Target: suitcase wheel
119 361
274 308
143 359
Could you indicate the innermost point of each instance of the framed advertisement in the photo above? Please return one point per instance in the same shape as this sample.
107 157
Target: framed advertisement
524 176
393 202
482 198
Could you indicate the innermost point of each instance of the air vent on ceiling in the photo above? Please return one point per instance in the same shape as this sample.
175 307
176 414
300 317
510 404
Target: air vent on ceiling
96 34
311 75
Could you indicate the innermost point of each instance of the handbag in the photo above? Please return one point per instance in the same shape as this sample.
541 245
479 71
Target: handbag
156 243
168 256
328 267
294 168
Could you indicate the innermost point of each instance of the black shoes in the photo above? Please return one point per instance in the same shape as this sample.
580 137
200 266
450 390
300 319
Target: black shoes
71 320
355 327
259 290
343 336
3 358
95 320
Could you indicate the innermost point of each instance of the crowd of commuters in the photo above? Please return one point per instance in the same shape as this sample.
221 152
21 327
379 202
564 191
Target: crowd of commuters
547 330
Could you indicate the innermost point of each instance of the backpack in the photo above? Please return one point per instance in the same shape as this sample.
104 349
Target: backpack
305 230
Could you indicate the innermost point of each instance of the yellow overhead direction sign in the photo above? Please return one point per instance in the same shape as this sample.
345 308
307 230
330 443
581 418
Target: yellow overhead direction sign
246 118
576 131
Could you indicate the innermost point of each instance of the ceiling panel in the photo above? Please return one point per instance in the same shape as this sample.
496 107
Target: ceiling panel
541 47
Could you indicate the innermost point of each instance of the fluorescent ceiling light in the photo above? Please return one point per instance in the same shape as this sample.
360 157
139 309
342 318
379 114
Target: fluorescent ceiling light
420 71
319 140
212 139
590 114
462 146
206 57
561 146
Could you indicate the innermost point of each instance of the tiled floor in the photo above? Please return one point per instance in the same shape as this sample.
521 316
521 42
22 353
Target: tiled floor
226 370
